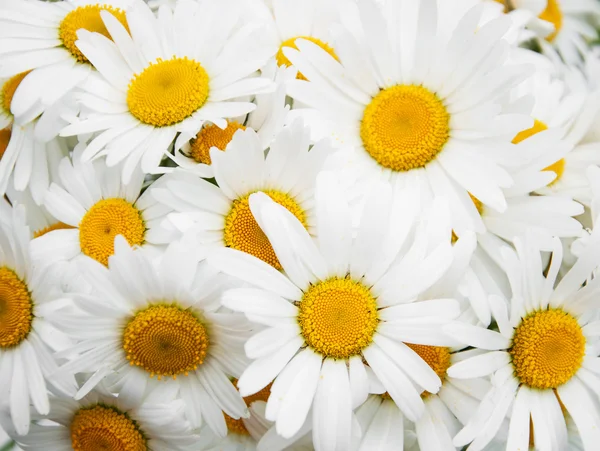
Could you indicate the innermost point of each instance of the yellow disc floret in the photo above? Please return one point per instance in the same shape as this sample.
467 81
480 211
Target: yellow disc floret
16 309
4 140
547 349
243 233
338 317
283 60
8 91
437 357
88 18
165 340
405 127
554 15
237 426
57 226
105 428
167 92
103 222
212 136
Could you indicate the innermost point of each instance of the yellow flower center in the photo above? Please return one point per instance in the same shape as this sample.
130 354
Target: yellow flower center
405 127
58 226
8 90
553 14
547 349
243 233
212 136
107 429
237 426
167 92
4 140
539 126
86 17
338 317
282 60
437 357
165 340
16 309
103 222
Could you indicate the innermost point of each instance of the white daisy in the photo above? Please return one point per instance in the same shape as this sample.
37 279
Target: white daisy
102 421
143 320
38 47
221 215
94 205
267 120
419 107
26 338
173 73
542 360
339 301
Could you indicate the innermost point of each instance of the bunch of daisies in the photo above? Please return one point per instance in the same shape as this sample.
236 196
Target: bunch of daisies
331 225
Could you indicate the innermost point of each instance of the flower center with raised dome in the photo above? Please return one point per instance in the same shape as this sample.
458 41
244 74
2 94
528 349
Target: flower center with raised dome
16 309
554 15
538 126
168 91
4 140
338 317
103 222
86 17
58 226
165 340
105 428
237 426
547 349
212 136
283 60
405 127
437 357
8 91
243 233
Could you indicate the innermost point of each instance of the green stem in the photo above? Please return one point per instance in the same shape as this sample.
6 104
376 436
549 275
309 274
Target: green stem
8 446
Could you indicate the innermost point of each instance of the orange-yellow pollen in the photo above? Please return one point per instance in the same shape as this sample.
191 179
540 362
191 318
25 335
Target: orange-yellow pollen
243 233
338 317
165 340
86 17
212 136
103 222
237 426
105 428
283 60
168 91
437 357
57 226
4 140
16 309
547 349
8 91
405 127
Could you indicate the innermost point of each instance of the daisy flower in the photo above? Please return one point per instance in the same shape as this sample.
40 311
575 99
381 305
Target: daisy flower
340 305
26 337
145 319
221 215
103 421
543 359
167 75
419 107
39 50
92 206
383 424
267 120
25 160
